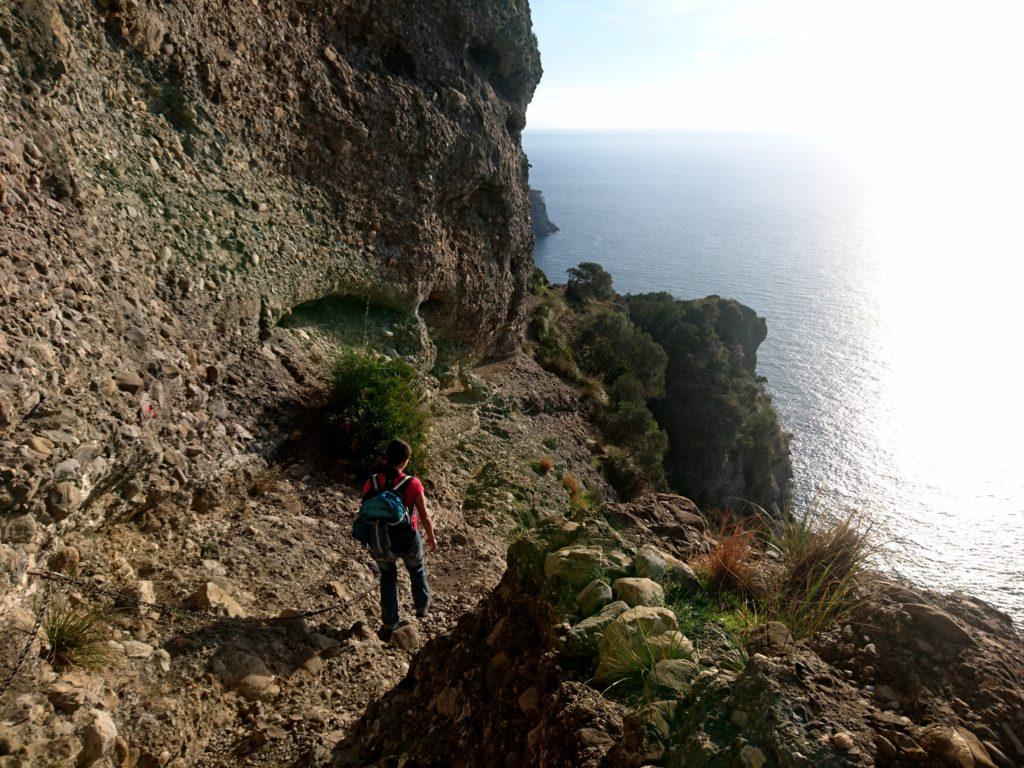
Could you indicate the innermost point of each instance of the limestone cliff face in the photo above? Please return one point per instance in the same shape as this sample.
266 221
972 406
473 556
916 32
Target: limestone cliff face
176 177
379 141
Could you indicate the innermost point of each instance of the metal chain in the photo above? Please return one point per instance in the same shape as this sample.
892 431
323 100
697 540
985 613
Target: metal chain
28 643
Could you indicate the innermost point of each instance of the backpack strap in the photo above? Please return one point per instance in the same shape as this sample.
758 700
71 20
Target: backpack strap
398 486
373 479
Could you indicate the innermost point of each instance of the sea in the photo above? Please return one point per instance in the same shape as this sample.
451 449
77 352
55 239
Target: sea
890 277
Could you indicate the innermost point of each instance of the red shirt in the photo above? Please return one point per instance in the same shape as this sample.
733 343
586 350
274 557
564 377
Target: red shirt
410 492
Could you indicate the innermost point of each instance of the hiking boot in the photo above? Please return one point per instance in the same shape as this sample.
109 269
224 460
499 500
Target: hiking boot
421 613
384 633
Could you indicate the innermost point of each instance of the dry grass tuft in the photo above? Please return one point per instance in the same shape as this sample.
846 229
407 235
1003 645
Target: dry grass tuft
572 484
543 465
728 566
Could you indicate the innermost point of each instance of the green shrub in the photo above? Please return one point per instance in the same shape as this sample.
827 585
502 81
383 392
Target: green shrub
627 388
538 282
589 281
374 401
76 633
612 346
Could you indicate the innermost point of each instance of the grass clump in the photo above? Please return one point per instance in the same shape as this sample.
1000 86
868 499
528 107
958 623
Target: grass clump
525 520
76 634
373 401
825 562
629 657
819 574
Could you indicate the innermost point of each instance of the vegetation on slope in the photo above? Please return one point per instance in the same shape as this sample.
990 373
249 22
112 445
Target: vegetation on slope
679 399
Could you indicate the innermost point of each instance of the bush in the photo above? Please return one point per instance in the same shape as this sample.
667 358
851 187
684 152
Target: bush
76 633
612 347
373 402
627 388
589 281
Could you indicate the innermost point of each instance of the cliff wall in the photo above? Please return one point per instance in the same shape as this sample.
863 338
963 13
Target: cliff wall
176 177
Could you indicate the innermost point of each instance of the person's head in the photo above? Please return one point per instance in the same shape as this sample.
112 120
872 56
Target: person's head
396 456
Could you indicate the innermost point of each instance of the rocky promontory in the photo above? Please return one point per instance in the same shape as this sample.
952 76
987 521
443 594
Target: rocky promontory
542 225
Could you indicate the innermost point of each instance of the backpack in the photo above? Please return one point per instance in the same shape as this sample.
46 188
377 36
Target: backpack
383 520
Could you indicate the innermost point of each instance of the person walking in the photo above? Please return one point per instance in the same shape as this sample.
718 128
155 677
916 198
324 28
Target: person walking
402 539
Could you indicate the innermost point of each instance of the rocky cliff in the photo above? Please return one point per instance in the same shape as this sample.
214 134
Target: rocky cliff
175 179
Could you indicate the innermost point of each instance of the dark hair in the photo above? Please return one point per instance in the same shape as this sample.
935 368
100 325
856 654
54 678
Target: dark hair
396 452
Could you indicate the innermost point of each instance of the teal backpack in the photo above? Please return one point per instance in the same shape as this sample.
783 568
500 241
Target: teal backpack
383 520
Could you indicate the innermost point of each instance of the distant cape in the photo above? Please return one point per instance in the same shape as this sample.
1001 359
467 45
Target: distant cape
542 225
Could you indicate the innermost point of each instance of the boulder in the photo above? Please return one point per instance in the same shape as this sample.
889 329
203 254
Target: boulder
638 591
582 638
69 693
670 679
64 499
579 564
945 746
212 597
20 529
646 731
246 674
637 637
595 596
772 638
938 626
64 561
660 566
407 637
447 702
129 381
98 737
133 649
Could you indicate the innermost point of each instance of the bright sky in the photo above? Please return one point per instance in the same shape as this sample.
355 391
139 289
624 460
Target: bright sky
835 67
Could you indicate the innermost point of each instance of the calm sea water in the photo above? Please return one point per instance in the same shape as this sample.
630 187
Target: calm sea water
891 288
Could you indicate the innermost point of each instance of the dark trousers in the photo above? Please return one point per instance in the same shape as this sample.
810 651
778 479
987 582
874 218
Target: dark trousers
389 582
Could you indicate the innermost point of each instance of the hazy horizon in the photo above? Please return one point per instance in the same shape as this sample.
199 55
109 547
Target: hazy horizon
862 74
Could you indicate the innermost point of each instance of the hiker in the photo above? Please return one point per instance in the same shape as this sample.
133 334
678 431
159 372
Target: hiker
393 522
